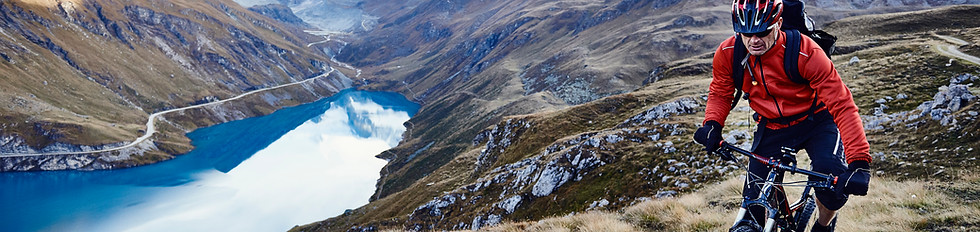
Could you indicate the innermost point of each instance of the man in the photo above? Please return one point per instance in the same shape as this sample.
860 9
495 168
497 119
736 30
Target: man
819 116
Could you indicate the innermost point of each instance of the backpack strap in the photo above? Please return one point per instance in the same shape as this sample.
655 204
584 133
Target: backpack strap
792 57
791 65
739 60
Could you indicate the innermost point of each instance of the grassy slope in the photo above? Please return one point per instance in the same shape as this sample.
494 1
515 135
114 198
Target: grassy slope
913 205
885 62
908 192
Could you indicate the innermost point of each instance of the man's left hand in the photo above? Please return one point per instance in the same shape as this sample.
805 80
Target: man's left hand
855 180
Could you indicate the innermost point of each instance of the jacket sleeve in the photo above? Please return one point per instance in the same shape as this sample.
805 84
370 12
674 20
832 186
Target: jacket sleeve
831 91
721 91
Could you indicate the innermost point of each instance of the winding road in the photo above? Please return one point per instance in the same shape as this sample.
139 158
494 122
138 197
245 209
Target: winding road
151 127
953 50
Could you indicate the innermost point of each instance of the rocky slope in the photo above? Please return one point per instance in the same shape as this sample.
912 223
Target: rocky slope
627 148
490 59
472 62
83 75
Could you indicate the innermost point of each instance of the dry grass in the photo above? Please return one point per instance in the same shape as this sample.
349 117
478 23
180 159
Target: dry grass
706 210
891 205
585 222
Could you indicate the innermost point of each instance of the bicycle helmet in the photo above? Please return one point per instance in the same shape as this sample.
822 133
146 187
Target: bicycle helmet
754 16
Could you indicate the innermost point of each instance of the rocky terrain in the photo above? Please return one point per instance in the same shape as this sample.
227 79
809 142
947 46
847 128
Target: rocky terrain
470 63
85 75
626 149
530 108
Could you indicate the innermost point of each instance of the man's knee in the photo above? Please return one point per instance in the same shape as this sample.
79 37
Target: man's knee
830 199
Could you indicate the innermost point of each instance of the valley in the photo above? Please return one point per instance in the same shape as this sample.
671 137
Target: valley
83 78
534 113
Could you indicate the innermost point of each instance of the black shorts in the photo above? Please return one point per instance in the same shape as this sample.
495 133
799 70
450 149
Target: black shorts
821 140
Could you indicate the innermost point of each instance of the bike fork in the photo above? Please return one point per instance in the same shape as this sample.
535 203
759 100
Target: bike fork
740 215
770 222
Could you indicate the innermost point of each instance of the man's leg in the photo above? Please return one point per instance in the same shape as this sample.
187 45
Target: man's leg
826 156
824 216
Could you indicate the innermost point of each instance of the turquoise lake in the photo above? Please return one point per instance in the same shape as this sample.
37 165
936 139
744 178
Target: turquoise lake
296 166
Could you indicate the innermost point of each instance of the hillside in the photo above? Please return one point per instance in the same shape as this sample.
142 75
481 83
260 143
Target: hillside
82 75
518 57
626 152
471 63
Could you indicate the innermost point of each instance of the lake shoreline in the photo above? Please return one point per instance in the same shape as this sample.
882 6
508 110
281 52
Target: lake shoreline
299 163
170 140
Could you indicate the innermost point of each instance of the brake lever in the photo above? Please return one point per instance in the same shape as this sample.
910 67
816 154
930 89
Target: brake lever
726 154
789 156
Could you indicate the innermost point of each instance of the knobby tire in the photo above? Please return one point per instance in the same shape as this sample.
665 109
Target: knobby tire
802 216
744 228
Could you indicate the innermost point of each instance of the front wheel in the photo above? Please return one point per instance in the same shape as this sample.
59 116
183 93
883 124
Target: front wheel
743 228
802 217
746 226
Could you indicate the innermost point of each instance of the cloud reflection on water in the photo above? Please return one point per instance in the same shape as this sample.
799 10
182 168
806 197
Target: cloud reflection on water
313 172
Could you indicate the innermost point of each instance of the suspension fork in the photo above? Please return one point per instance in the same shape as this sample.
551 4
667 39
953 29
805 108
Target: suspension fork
762 200
772 210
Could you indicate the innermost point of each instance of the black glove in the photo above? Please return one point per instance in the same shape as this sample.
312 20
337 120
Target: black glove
855 180
709 135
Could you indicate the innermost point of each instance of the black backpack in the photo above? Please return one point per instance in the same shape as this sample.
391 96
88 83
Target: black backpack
795 23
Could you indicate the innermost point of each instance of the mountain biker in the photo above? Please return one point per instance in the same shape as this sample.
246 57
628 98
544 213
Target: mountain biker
819 116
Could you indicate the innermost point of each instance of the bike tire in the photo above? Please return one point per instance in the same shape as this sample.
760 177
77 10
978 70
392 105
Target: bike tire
746 226
802 217
743 228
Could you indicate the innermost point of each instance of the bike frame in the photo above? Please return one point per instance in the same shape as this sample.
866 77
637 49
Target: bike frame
771 194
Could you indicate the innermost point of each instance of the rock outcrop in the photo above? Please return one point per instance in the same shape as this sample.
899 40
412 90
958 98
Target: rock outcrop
945 107
513 187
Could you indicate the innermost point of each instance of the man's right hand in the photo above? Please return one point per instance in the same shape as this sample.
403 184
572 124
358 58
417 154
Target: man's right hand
709 135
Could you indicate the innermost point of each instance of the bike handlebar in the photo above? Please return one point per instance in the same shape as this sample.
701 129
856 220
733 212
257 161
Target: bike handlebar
724 149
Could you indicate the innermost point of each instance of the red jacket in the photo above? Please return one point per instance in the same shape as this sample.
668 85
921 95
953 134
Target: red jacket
792 98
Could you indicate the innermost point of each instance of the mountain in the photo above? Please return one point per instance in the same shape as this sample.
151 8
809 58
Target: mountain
486 60
331 16
84 75
531 108
281 13
534 109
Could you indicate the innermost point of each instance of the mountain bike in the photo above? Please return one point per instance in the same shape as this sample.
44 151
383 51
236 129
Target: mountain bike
772 197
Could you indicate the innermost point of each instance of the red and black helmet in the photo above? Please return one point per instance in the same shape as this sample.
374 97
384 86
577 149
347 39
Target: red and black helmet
754 16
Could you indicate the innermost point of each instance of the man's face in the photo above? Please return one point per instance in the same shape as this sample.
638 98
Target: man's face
759 44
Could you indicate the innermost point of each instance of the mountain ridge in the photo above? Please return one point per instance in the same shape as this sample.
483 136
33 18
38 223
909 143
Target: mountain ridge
85 75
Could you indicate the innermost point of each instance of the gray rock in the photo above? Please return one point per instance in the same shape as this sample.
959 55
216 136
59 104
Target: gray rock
963 79
663 111
949 99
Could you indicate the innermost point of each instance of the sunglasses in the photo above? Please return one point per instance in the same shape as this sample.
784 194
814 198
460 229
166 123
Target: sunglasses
758 34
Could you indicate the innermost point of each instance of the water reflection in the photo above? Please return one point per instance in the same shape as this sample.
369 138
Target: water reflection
296 166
